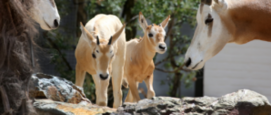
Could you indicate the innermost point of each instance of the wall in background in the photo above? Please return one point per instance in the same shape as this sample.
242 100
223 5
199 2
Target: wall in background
237 67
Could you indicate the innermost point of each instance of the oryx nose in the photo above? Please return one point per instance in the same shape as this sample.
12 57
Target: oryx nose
162 47
56 23
188 62
104 76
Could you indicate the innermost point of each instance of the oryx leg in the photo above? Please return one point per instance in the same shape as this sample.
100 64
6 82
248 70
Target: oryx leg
149 84
133 89
129 97
117 77
80 76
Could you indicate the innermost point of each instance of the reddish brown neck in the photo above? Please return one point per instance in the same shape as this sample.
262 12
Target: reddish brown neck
250 20
146 49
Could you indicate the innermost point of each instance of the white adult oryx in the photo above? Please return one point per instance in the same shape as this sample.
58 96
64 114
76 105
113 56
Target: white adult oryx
224 21
101 52
45 13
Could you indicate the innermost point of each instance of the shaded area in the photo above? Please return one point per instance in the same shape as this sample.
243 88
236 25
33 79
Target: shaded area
57 89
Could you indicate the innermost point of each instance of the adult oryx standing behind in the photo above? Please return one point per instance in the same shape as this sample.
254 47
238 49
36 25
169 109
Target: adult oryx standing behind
227 21
101 52
139 64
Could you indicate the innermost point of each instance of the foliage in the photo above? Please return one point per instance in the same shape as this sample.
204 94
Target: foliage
57 44
181 11
106 7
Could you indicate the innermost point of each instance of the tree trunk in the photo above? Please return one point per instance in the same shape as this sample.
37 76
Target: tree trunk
176 84
177 76
127 14
81 14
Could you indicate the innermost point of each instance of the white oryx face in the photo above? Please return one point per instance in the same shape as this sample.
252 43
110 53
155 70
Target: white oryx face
155 33
103 51
210 36
46 14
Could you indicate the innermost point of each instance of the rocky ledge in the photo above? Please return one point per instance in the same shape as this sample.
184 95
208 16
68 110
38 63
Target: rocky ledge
50 107
64 98
242 102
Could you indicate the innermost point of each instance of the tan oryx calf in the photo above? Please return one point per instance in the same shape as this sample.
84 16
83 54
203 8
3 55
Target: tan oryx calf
139 64
101 52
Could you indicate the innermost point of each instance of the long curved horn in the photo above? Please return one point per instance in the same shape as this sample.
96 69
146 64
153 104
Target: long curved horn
98 41
116 36
86 34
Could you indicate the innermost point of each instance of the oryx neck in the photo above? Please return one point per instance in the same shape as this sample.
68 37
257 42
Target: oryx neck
146 48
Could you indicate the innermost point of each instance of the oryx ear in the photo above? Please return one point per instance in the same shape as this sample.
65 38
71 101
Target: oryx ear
116 36
165 22
142 21
85 34
220 4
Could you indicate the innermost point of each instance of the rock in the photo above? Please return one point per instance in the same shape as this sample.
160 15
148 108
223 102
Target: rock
242 102
68 99
57 89
49 107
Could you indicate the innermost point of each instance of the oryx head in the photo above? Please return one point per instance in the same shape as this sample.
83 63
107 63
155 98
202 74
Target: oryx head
155 34
45 13
210 36
102 50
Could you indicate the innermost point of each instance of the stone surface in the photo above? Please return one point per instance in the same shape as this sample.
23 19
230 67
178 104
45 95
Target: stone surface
62 97
57 89
242 102
49 107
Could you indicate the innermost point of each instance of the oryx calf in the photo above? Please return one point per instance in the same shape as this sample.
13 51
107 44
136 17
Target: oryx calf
139 64
101 52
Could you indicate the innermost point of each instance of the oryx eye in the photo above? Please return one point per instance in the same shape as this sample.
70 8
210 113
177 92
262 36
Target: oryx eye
93 55
97 51
150 35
